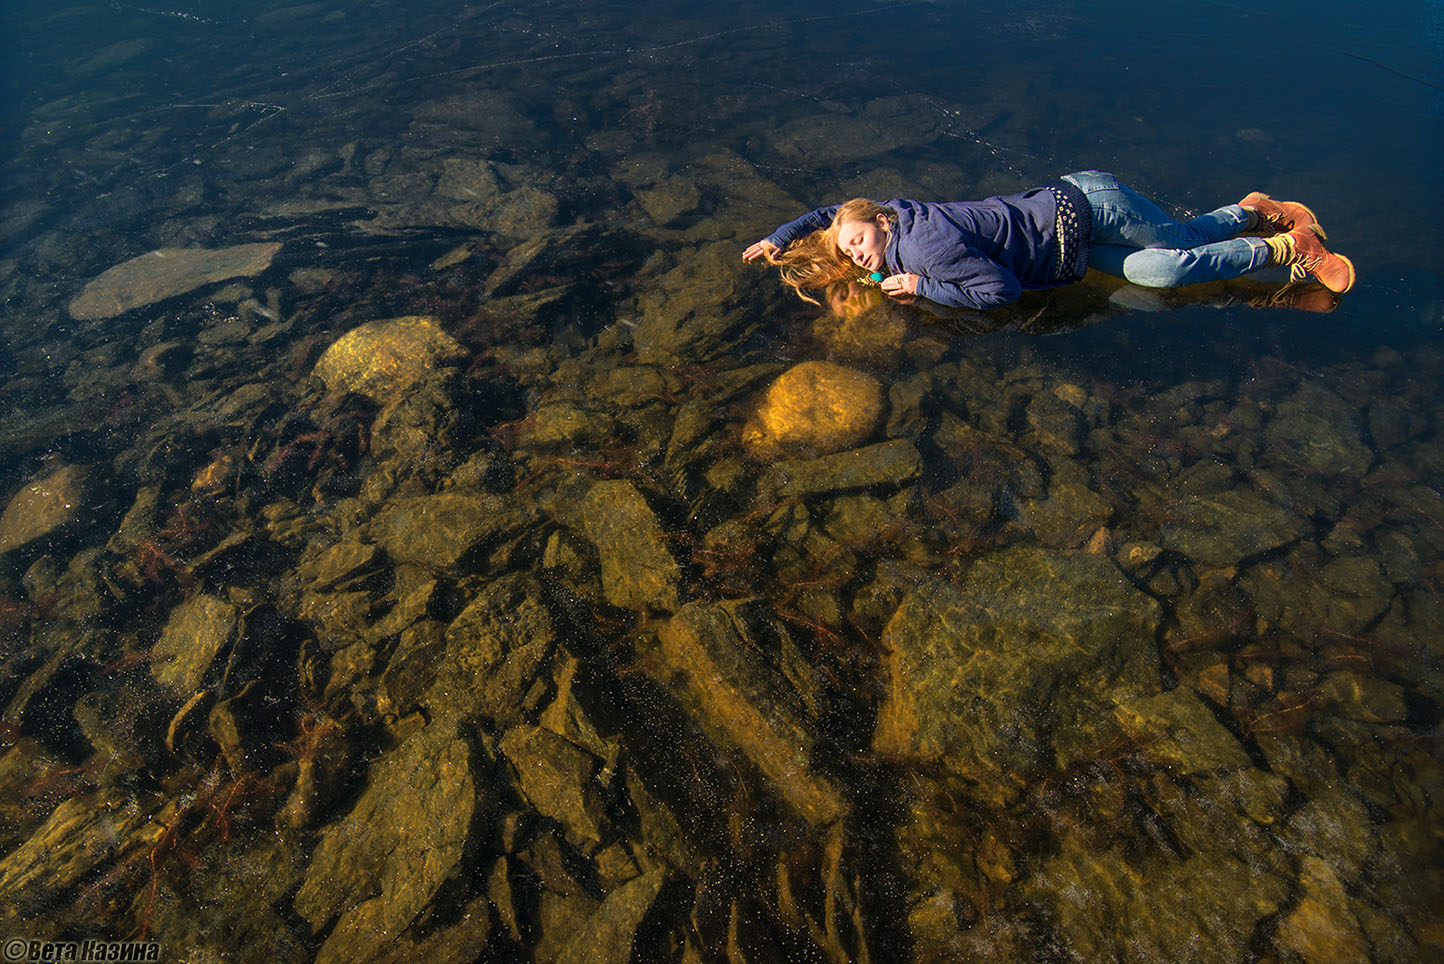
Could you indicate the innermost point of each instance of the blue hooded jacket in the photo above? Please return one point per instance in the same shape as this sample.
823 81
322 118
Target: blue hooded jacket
970 254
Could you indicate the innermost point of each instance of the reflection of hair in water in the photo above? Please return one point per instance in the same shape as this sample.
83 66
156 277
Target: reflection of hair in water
815 261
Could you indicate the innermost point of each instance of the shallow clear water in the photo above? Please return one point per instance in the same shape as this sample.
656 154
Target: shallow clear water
1111 634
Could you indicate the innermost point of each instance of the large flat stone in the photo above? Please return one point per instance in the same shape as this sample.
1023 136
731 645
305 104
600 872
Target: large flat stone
166 273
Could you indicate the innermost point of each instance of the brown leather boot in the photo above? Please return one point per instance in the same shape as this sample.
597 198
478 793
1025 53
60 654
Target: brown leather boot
1303 251
1277 217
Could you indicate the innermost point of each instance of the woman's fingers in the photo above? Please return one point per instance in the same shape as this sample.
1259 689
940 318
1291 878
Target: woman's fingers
757 250
900 284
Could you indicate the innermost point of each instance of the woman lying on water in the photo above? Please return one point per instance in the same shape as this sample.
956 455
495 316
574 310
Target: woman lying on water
982 254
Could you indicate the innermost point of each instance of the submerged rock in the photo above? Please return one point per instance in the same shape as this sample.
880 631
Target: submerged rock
377 870
740 700
82 833
638 571
1322 929
815 408
495 650
381 358
886 463
558 779
439 530
166 273
1179 730
198 629
696 311
1320 431
978 676
608 935
43 507
1220 529
1199 910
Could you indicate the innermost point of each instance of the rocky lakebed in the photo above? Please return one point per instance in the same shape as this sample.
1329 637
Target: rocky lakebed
418 565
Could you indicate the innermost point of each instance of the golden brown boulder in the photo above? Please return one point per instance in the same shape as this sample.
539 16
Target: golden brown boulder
166 273
815 408
42 507
383 357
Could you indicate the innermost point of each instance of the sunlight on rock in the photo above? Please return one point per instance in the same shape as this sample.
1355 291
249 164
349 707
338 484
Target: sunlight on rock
815 407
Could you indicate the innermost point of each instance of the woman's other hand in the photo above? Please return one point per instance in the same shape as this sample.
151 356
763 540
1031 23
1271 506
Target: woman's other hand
900 285
757 250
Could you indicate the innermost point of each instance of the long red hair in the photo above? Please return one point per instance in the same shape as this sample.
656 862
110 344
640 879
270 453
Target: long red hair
815 261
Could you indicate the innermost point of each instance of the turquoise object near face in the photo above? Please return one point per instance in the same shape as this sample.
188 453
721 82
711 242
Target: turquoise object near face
875 276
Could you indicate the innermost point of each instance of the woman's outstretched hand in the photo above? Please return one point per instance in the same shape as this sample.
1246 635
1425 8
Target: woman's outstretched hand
757 250
900 286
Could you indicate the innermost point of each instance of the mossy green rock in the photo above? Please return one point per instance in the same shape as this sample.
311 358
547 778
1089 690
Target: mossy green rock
979 673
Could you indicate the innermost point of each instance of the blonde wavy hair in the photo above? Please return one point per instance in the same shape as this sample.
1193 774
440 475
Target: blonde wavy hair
815 260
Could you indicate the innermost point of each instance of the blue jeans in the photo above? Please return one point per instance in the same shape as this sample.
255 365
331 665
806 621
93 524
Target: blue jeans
1132 238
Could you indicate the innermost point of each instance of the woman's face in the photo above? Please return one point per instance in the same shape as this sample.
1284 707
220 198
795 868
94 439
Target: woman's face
863 242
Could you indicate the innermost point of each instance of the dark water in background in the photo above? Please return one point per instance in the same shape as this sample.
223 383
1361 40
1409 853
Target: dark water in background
128 128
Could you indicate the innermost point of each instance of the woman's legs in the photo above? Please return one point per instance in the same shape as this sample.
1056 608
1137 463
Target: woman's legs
1134 239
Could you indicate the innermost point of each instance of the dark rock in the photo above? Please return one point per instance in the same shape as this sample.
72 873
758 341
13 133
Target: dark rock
439 530
638 571
886 463
1057 424
162 362
669 199
1303 596
82 834
608 935
1198 910
165 274
565 425
1221 529
1321 432
495 650
1070 514
558 778
415 427
979 675
413 831
1179 731
1335 828
324 755
341 564
692 311
412 667
1322 929
1366 698
907 407
742 701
